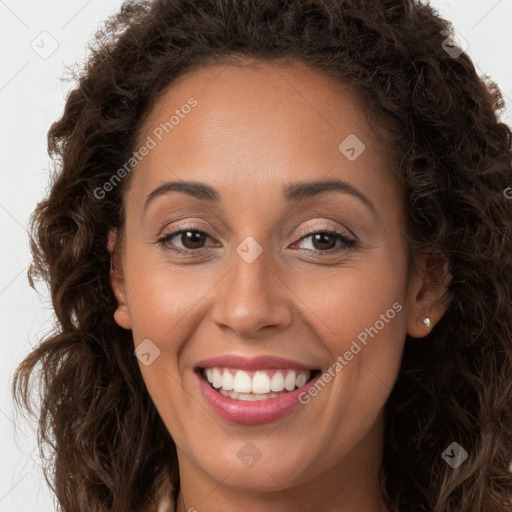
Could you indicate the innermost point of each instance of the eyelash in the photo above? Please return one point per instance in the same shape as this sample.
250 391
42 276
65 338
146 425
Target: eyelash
348 242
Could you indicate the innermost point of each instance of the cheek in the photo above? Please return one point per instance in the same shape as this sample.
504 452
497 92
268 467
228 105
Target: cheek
161 298
164 303
359 313
348 300
165 299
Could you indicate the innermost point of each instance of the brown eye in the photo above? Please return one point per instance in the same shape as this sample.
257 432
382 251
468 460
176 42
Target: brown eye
192 239
325 241
184 240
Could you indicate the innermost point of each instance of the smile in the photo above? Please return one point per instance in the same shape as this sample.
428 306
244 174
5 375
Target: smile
255 385
252 391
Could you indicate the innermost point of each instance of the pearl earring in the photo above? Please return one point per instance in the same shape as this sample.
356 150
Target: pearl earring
426 321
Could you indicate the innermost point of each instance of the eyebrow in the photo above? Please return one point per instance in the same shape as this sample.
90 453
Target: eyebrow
291 191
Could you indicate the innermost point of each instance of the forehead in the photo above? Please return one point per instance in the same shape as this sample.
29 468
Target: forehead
256 123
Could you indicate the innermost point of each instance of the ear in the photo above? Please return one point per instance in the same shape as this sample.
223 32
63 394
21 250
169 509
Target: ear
428 294
122 314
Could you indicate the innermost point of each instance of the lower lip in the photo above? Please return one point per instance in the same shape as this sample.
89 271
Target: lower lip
251 413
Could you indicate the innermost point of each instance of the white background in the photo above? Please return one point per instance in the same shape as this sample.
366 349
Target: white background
32 96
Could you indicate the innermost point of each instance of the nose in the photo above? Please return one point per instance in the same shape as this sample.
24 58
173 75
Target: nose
251 298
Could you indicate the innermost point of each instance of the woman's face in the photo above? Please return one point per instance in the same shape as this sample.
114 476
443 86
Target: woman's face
259 279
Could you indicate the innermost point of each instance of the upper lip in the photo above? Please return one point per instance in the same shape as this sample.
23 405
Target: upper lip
252 363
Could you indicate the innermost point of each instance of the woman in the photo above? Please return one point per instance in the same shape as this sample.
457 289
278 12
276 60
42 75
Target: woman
278 245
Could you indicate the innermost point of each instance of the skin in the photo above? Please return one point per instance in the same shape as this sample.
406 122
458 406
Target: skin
256 127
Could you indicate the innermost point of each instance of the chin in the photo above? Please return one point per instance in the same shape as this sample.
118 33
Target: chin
268 474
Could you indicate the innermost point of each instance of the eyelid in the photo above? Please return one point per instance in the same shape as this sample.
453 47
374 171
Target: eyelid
348 241
322 229
177 230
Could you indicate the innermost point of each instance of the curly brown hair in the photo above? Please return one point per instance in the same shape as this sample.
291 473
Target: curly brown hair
109 449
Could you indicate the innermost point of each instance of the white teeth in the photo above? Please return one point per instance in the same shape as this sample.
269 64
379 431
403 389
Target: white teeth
277 382
260 383
250 397
227 381
260 387
289 381
301 379
246 397
242 382
217 379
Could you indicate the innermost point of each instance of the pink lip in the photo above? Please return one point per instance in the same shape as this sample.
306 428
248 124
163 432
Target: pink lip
252 363
251 413
245 412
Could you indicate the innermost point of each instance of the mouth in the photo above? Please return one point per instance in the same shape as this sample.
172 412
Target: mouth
253 390
255 385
